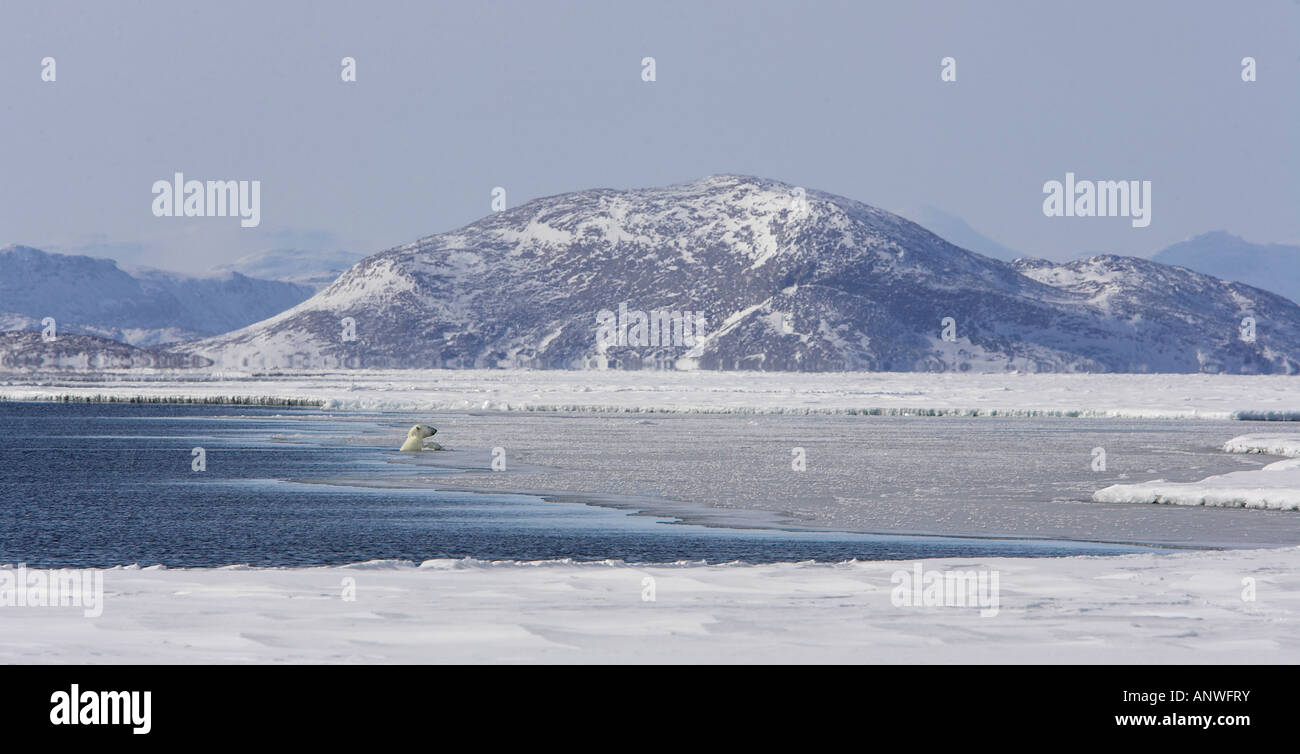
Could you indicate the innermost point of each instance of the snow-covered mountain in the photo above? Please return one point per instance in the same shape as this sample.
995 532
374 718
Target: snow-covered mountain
1177 320
835 285
1273 267
139 306
303 266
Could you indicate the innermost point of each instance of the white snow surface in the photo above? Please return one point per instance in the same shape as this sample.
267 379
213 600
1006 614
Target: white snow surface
1269 444
1275 486
1181 608
1135 396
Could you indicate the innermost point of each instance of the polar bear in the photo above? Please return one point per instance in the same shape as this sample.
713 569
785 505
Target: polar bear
415 438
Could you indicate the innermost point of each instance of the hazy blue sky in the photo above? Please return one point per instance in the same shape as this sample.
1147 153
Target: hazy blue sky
543 97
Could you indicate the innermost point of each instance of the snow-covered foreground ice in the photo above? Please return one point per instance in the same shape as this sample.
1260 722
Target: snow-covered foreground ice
1197 607
1275 486
1089 395
1280 444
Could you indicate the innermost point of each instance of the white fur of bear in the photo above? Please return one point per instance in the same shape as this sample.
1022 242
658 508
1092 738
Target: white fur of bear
415 438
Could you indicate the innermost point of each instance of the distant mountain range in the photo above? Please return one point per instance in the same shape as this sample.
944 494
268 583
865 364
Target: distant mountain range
309 267
1273 267
142 307
832 284
957 232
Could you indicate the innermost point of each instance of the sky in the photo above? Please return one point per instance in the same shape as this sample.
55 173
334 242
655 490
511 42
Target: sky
543 97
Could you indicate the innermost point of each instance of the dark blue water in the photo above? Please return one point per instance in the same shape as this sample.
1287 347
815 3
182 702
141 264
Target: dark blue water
85 484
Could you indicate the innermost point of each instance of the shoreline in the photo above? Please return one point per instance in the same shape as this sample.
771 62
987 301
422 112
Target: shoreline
1033 395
